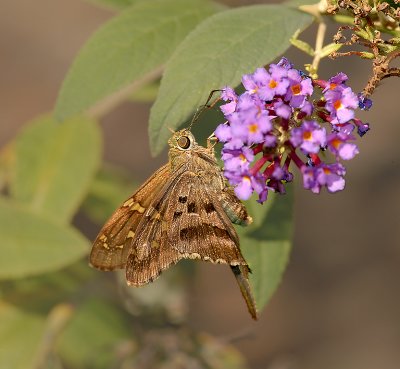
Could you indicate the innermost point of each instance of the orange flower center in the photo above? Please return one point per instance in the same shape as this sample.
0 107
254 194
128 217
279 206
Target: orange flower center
273 83
307 135
296 89
336 143
242 157
327 171
332 86
337 104
253 128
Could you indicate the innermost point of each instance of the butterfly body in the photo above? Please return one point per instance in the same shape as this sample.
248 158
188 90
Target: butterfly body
185 210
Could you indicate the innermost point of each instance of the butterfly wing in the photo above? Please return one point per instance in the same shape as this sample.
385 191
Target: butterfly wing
151 252
115 240
184 220
151 256
200 228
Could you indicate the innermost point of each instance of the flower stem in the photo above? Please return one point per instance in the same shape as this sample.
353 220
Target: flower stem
299 163
257 166
319 43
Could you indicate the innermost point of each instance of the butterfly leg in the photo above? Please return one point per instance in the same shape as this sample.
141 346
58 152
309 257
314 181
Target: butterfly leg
212 140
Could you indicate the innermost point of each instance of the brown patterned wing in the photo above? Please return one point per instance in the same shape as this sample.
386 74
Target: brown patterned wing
187 220
114 242
199 227
181 222
152 252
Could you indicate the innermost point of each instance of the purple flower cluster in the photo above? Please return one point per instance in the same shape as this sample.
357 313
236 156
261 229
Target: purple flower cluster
281 117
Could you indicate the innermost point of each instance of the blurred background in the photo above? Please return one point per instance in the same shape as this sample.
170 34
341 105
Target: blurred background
338 304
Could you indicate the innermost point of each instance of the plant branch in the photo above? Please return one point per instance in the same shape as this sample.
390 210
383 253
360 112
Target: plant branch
319 43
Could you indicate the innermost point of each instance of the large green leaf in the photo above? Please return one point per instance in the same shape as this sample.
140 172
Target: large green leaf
92 337
131 47
266 244
54 165
32 244
20 336
217 53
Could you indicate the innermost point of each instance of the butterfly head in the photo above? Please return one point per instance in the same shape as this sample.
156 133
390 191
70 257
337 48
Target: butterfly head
182 140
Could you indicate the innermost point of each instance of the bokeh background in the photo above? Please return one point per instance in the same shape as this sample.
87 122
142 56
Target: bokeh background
338 304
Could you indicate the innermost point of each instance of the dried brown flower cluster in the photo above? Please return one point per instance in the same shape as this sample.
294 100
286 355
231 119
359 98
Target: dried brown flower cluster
375 26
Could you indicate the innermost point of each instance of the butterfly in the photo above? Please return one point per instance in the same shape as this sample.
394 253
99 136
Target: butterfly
185 210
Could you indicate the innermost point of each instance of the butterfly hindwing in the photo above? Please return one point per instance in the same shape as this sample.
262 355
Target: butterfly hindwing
199 226
183 221
115 240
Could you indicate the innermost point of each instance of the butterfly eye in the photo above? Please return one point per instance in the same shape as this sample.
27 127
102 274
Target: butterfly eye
184 142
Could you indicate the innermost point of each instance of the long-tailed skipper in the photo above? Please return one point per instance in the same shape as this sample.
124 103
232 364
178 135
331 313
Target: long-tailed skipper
185 210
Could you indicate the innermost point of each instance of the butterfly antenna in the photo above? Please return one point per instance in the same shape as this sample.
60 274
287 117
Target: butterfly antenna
201 108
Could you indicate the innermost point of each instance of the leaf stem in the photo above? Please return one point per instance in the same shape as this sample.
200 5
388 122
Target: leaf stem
319 43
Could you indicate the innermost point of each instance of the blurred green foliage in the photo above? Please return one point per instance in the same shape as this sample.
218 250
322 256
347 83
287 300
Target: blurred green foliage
55 312
54 165
128 49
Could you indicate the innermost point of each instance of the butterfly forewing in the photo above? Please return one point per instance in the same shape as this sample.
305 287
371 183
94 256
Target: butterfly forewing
151 252
115 240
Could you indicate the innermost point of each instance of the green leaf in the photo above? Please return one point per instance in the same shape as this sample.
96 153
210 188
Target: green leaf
110 188
133 46
367 55
217 53
54 165
303 46
266 244
329 49
92 336
31 244
20 335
